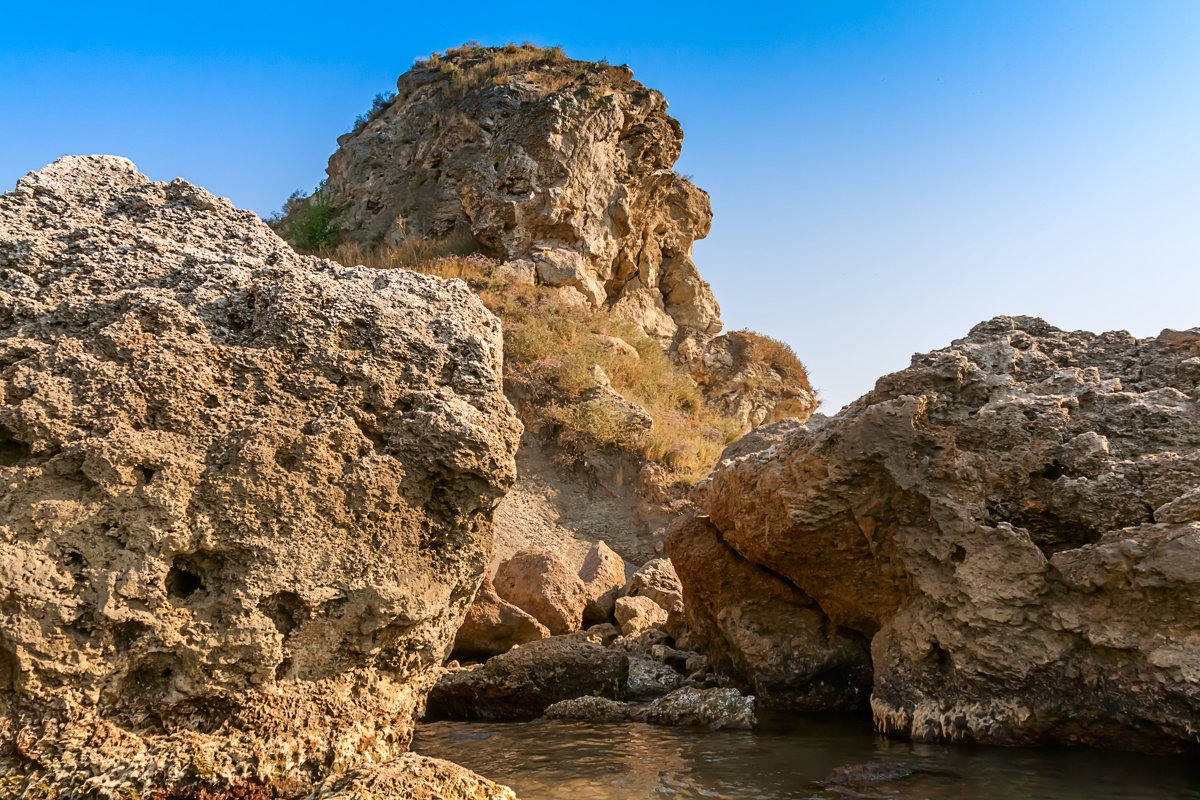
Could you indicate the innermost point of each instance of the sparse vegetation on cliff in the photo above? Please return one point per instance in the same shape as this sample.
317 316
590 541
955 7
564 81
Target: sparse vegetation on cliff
473 65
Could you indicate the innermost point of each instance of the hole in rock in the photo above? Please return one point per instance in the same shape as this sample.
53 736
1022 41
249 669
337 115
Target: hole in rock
283 670
182 582
149 678
145 474
958 554
12 450
8 670
285 609
126 633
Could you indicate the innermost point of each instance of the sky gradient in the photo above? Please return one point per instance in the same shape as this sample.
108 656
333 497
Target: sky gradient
883 175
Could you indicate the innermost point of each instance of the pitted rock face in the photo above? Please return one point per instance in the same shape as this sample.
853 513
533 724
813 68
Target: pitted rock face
563 169
1013 520
246 494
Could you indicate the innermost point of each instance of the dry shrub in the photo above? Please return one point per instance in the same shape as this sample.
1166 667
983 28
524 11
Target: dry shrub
778 355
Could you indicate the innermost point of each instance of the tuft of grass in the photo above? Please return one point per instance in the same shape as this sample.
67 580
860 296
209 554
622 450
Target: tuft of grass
777 355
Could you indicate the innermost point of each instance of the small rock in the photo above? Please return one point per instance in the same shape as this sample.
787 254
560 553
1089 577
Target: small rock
635 614
649 678
657 580
715 709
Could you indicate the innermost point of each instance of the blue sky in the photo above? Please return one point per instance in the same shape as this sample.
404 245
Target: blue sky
884 175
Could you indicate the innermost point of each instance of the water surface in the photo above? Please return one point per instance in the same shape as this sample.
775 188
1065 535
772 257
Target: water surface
787 758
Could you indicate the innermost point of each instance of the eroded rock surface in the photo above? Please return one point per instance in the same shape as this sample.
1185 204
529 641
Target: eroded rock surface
246 495
561 168
410 777
1012 522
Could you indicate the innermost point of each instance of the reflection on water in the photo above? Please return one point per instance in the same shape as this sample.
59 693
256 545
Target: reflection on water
788 758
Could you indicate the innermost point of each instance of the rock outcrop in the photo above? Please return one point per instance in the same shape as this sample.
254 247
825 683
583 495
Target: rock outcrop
561 168
410 777
247 495
714 709
1012 521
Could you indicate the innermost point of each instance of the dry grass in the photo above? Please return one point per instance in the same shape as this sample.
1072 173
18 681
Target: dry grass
778 355
473 66
549 348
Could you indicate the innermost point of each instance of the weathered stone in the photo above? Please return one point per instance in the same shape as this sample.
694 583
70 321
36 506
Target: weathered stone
636 614
656 580
246 495
565 167
410 777
715 709
753 379
761 632
544 584
987 516
603 576
493 626
521 683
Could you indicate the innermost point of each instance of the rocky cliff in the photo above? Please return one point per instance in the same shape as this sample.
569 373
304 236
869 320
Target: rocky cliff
562 168
1014 524
246 495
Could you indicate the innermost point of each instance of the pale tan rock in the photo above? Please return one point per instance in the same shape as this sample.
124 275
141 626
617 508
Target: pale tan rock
988 517
603 576
246 495
657 580
636 614
617 345
410 777
493 626
545 585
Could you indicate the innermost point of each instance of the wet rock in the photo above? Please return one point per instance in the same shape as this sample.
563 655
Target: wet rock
544 584
649 678
246 495
493 626
635 614
715 709
521 683
988 518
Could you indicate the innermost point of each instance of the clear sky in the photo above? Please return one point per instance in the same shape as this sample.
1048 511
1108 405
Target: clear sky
884 174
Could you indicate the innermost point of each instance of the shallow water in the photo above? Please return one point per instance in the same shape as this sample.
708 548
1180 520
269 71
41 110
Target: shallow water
788 758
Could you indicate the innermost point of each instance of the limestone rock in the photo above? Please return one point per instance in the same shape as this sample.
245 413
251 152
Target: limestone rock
656 580
988 517
603 576
410 777
493 626
521 683
246 495
753 379
649 677
636 614
564 166
544 584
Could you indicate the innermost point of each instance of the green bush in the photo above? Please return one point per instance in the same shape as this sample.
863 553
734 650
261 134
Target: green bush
308 222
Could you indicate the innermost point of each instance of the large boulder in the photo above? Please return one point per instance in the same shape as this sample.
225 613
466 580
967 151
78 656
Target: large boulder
763 633
544 584
1011 520
246 495
493 626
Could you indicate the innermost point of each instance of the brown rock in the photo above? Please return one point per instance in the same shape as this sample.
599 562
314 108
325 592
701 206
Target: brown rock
493 626
544 584
246 495
636 614
603 576
761 632
656 580
715 709
987 516
521 683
